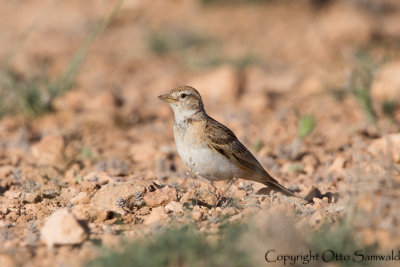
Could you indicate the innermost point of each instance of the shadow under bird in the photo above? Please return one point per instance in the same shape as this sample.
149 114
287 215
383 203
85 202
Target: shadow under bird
210 149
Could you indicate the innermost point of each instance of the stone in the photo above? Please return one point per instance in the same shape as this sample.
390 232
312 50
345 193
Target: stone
206 195
118 196
11 194
89 187
174 207
155 199
143 211
198 213
101 216
386 145
160 197
62 228
49 150
157 215
31 197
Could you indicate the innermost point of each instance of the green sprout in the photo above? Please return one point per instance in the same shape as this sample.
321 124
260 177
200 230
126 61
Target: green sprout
306 126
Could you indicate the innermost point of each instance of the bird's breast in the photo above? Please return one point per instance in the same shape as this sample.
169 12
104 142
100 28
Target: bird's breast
200 158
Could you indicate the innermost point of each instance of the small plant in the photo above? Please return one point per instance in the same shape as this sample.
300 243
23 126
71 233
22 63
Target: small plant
79 179
30 186
86 153
183 246
34 96
340 239
360 83
364 98
306 126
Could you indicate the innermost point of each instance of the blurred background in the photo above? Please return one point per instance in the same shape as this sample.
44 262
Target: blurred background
311 86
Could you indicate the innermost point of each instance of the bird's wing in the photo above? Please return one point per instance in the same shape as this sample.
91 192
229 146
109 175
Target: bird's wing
224 141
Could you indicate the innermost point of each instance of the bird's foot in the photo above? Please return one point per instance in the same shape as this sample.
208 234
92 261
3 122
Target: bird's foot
221 196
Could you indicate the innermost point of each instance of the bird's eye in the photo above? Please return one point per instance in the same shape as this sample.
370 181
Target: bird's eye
183 95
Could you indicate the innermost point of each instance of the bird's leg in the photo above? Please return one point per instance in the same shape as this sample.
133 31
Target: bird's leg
271 198
231 182
222 195
193 175
216 189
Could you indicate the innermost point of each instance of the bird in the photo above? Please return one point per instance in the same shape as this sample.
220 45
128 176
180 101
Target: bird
209 148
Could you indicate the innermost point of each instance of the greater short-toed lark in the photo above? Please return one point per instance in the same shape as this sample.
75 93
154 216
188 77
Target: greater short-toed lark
209 148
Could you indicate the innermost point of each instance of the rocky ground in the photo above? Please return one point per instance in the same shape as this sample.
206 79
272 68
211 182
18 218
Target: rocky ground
311 87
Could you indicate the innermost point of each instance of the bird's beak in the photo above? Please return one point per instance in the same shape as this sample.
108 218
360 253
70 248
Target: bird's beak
166 98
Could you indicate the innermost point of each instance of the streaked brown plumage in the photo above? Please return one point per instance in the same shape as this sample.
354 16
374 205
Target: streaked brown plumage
208 147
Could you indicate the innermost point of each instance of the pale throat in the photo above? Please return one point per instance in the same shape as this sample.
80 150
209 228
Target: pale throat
184 114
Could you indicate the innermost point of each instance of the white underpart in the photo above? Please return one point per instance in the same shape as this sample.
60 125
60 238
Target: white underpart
204 161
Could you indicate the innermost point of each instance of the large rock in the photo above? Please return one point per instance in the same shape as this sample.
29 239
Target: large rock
174 207
386 145
157 215
118 197
49 150
206 195
62 228
386 85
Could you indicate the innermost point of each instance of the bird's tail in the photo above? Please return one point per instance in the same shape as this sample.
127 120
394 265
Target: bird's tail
276 186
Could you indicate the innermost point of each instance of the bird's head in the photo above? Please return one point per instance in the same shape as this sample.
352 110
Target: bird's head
185 101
